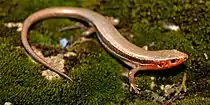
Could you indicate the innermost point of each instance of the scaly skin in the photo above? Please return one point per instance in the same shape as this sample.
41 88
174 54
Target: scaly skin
111 39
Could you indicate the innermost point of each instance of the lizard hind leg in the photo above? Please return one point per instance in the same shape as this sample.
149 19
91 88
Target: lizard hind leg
84 36
89 31
92 29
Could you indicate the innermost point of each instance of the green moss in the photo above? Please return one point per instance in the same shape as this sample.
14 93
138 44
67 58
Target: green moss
192 100
192 38
141 102
47 31
21 83
10 34
21 9
96 73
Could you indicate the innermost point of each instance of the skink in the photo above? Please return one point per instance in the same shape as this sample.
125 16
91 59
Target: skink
111 39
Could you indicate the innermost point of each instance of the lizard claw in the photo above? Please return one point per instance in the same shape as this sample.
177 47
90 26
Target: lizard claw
133 87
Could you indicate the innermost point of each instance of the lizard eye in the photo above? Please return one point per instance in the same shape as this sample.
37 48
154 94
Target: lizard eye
173 60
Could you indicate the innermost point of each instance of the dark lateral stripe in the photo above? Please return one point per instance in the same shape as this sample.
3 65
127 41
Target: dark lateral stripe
121 53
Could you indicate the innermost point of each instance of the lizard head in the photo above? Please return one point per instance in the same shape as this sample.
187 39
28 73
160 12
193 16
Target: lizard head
167 59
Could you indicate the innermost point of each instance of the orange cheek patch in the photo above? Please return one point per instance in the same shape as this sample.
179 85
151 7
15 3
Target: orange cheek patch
152 67
161 65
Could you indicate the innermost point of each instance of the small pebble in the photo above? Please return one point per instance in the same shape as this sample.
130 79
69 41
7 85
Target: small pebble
11 25
171 26
116 21
162 87
7 103
131 35
152 85
169 89
152 78
145 47
63 42
68 54
206 56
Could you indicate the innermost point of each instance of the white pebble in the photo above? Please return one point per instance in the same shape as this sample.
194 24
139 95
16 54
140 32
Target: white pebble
7 103
152 78
206 56
171 26
11 25
162 87
152 85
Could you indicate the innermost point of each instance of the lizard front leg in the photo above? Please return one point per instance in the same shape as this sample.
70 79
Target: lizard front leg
132 79
131 75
